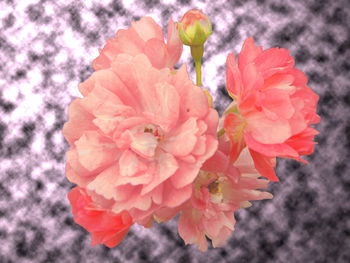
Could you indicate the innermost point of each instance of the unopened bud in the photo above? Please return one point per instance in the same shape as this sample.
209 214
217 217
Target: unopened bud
194 28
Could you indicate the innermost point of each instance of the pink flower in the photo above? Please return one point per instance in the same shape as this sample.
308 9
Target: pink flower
139 137
273 107
105 227
143 37
219 191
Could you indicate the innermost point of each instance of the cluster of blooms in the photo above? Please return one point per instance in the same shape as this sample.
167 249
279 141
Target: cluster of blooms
146 143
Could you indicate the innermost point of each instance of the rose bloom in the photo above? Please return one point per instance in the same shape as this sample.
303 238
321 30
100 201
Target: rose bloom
139 137
272 109
105 227
143 37
220 189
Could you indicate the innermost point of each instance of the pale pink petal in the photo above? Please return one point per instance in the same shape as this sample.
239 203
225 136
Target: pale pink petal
110 81
124 192
107 124
157 194
165 112
185 175
212 120
267 131
212 226
155 50
144 144
103 183
221 238
101 62
200 146
181 140
130 164
218 163
174 197
167 166
245 163
165 214
95 151
194 102
78 116
174 45
73 160
76 178
128 42
147 28
212 146
187 227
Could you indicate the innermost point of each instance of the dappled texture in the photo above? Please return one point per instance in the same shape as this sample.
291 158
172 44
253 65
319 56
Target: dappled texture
139 136
46 49
274 107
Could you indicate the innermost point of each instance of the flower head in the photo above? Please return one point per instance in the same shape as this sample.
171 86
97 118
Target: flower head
139 136
219 191
273 107
143 37
194 28
105 226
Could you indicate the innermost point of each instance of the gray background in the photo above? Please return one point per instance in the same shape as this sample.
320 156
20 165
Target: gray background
46 49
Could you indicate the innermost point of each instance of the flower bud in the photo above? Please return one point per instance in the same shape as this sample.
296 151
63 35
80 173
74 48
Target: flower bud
194 28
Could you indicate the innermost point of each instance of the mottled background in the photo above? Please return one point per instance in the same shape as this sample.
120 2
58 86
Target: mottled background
46 49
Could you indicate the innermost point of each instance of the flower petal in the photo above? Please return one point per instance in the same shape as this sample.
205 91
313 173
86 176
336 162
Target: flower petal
248 54
181 140
174 45
95 151
267 131
233 77
265 165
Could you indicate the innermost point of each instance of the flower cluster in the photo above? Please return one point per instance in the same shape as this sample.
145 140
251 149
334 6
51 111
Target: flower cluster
146 143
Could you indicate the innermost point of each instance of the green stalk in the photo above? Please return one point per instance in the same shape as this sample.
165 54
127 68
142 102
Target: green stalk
197 54
198 72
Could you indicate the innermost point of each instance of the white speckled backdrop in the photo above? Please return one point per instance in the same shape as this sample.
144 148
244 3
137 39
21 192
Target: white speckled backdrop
46 49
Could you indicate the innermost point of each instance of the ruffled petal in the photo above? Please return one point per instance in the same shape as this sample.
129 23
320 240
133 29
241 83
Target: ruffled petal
265 165
248 54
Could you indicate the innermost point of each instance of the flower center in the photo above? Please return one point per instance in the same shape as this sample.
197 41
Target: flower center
214 187
156 131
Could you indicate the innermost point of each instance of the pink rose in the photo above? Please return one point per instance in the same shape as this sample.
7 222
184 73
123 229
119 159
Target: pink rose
273 107
105 227
139 137
143 37
219 191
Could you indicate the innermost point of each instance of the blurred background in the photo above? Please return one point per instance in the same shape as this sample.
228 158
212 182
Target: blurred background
46 49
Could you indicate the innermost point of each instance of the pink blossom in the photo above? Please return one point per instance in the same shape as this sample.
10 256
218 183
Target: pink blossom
139 137
105 227
273 107
219 191
143 37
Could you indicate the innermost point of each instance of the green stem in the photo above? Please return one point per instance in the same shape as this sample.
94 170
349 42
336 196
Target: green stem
197 54
198 72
